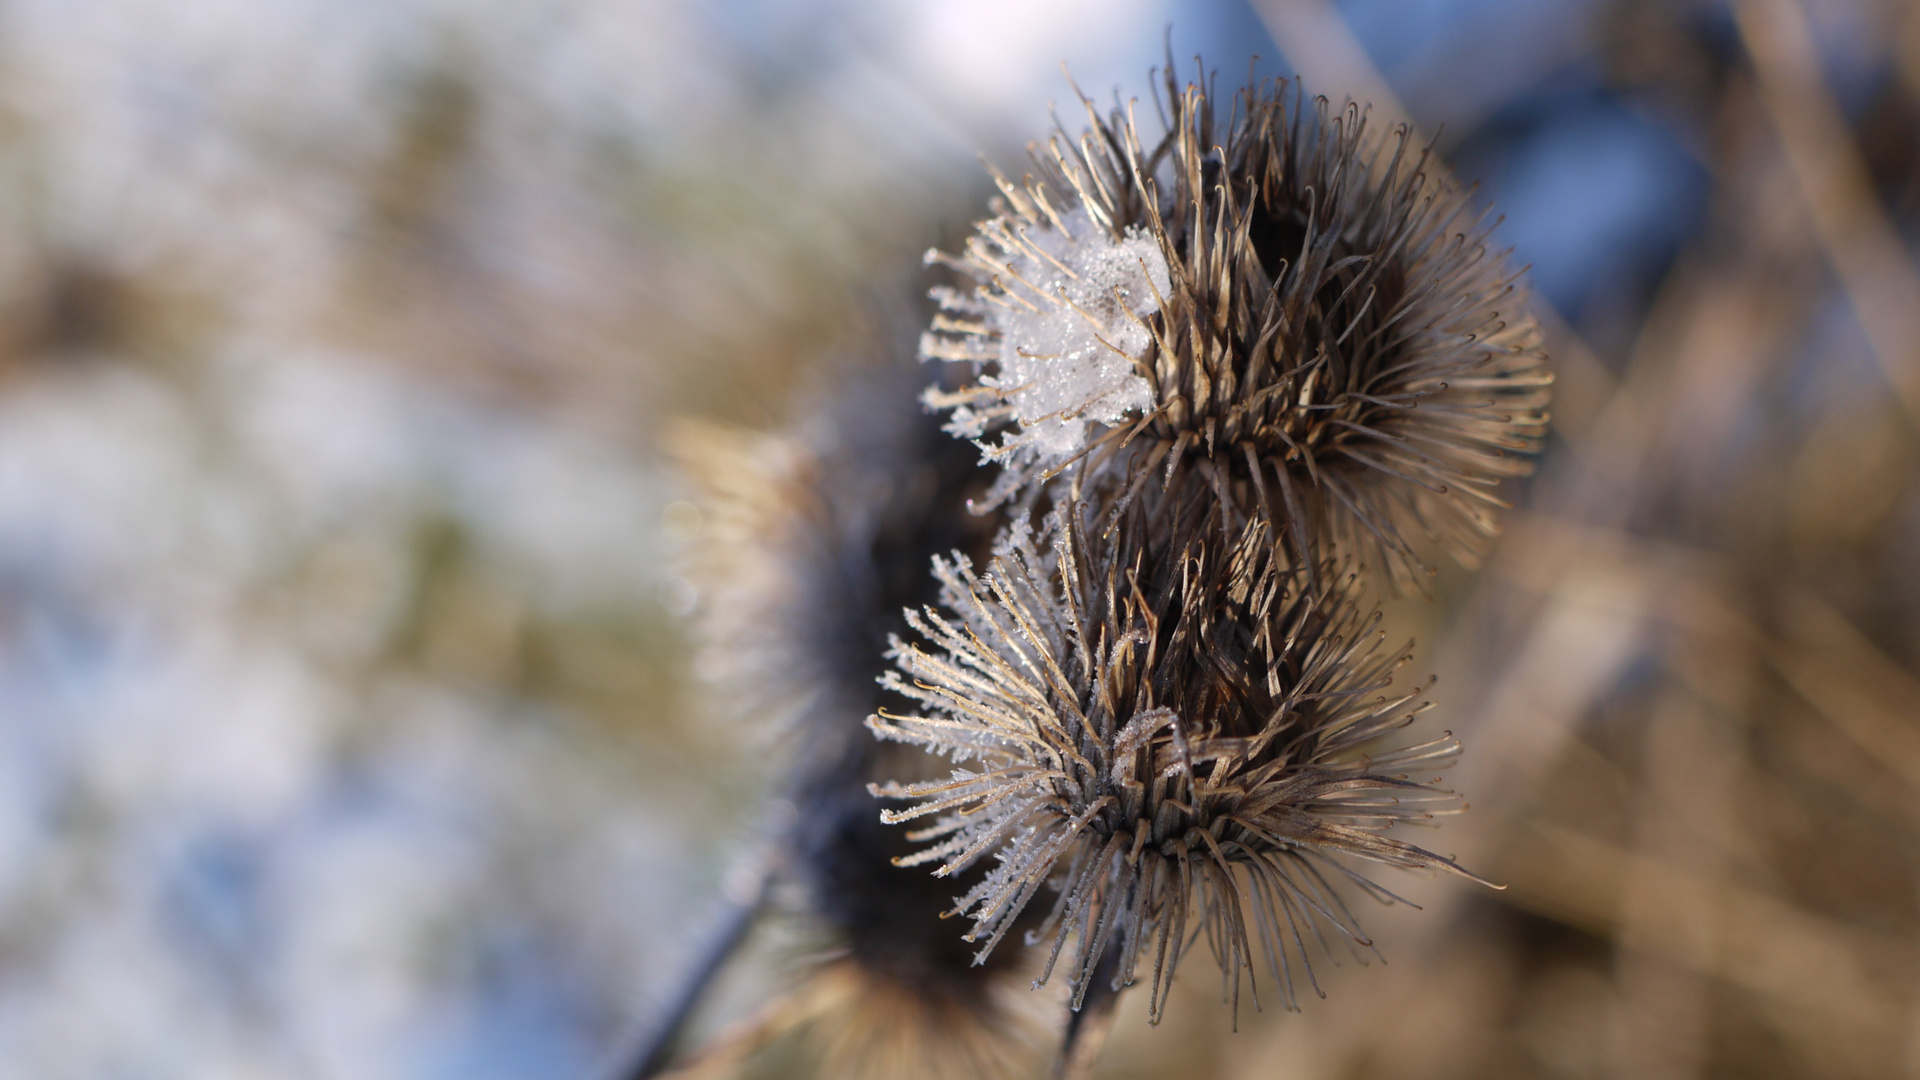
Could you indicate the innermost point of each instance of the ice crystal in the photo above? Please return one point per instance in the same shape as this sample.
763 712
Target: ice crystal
1064 318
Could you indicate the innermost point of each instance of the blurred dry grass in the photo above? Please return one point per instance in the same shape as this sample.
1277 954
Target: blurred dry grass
1687 680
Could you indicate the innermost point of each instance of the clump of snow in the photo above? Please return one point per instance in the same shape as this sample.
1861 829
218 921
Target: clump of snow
1062 310
1072 329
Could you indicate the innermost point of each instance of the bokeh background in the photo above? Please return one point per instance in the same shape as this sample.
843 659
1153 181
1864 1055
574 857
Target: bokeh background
350 725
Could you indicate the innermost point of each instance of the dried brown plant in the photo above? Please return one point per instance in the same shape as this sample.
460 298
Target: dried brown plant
1278 304
1168 738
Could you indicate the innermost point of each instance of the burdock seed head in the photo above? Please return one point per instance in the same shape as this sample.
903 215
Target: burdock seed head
1164 737
1279 304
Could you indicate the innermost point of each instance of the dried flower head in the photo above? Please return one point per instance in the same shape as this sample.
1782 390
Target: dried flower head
1163 736
1281 306
813 541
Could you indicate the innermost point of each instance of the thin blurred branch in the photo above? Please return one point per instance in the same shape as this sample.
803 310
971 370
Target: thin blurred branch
1860 240
1864 694
1582 385
1087 1028
741 904
728 1052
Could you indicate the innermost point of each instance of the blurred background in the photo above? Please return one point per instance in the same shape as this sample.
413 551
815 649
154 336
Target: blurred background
349 723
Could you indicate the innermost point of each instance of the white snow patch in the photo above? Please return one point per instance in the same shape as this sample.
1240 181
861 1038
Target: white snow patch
1068 357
